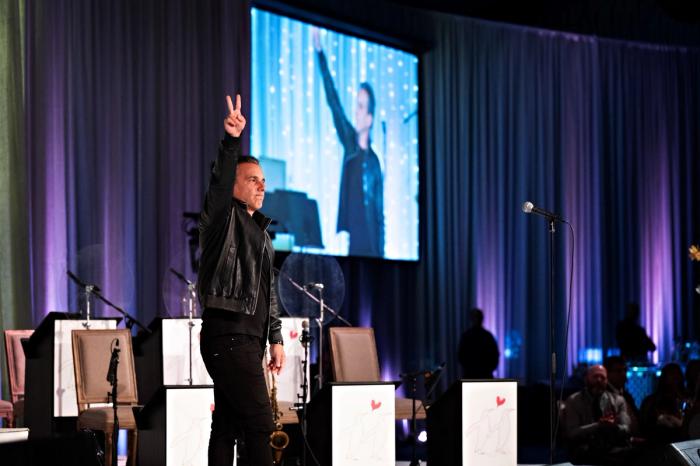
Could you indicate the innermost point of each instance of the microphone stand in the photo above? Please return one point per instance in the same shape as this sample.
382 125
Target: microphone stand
300 407
191 299
313 298
112 379
553 360
320 337
89 289
551 220
129 320
413 377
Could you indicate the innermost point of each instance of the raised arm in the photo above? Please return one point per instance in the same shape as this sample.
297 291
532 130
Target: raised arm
223 170
346 132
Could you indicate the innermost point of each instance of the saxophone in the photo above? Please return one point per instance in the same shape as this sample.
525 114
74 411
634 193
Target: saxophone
278 439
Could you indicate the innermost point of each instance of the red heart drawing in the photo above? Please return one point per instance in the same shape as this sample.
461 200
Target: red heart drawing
211 407
500 401
376 404
293 334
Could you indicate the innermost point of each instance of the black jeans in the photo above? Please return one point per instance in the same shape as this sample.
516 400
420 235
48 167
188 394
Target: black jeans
241 403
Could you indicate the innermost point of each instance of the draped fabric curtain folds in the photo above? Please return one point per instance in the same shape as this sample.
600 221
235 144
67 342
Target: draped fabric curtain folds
123 109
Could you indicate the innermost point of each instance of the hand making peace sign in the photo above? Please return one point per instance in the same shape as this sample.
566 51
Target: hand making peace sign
234 121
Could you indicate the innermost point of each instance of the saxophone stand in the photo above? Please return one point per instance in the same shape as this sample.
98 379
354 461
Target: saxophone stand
112 379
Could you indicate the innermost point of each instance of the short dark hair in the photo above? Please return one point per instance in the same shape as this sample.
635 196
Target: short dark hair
476 315
371 102
248 159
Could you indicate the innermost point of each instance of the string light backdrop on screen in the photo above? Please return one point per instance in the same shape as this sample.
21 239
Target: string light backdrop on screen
302 270
311 164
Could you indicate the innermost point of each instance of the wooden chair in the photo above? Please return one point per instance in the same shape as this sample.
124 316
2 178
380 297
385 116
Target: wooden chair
354 359
91 356
16 363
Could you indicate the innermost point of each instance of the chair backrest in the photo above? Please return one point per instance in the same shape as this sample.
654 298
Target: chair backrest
354 354
16 361
92 350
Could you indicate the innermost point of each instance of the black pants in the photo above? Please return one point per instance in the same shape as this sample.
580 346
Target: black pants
241 403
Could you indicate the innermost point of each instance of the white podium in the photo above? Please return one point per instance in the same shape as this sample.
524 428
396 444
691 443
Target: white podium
475 424
352 424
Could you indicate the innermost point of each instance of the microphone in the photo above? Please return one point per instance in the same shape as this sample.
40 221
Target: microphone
180 276
305 337
312 285
529 207
113 361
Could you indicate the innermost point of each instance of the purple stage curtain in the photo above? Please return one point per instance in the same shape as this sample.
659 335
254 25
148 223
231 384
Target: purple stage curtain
124 107
125 104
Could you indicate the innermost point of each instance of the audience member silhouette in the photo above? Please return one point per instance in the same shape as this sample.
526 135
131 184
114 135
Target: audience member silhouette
478 351
632 338
661 413
617 379
595 422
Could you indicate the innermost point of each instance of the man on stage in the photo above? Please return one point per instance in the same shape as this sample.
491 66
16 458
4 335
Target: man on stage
361 205
237 291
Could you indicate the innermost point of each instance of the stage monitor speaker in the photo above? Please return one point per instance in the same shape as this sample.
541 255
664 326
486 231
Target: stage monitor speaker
685 453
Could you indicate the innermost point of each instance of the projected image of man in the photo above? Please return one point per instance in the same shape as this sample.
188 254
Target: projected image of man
361 204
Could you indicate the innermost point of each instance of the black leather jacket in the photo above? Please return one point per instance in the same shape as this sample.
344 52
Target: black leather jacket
233 243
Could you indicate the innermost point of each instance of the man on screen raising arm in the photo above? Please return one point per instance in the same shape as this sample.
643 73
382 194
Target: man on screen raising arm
361 205
236 287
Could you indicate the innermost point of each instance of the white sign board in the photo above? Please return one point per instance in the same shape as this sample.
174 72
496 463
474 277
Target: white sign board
489 423
65 401
176 354
363 429
188 424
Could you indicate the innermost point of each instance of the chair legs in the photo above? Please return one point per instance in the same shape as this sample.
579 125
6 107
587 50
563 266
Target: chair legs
108 449
132 442
132 448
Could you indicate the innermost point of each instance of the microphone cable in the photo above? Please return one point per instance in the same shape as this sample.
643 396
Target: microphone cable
553 441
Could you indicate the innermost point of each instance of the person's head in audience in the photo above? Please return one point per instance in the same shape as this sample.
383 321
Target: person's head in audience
476 317
617 371
596 380
671 381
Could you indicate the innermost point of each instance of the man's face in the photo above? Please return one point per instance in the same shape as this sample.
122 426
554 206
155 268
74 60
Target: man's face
363 119
249 186
617 376
596 380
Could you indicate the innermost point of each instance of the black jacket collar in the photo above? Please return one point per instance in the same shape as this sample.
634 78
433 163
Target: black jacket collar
259 218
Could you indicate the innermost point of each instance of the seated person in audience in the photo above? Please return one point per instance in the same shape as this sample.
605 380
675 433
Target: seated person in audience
661 413
595 422
617 379
692 371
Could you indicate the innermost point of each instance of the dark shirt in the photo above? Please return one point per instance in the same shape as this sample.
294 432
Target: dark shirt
478 353
361 204
633 341
222 322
